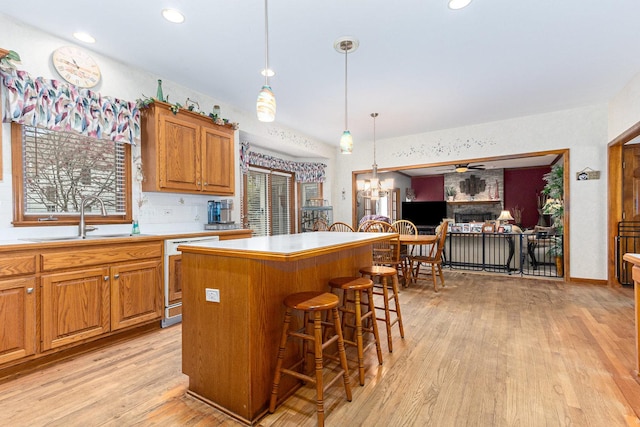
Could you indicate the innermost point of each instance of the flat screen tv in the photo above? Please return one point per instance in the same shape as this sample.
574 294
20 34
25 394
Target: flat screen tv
424 213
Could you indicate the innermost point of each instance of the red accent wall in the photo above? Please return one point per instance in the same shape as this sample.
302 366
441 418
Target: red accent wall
428 188
521 189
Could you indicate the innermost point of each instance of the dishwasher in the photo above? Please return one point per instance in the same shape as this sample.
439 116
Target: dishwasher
173 277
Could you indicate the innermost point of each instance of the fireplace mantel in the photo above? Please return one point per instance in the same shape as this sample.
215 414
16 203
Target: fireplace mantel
474 202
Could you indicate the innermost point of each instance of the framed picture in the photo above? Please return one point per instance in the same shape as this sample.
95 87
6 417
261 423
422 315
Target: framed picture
465 228
501 229
457 228
475 228
507 228
488 228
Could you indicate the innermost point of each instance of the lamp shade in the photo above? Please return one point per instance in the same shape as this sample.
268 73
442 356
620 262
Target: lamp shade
266 104
346 143
505 216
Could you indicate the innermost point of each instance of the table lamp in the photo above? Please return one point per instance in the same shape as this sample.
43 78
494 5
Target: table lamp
505 217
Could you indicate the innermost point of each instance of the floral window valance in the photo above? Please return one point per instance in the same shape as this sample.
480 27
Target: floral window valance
58 106
304 171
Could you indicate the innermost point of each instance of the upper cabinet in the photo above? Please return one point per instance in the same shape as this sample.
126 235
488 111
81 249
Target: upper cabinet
186 152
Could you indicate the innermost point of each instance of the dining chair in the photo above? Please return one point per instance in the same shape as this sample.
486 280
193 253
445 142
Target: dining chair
434 259
406 227
340 226
320 225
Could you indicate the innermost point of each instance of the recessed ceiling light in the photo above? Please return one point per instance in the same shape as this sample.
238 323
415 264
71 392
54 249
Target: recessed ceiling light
173 15
458 4
84 37
268 73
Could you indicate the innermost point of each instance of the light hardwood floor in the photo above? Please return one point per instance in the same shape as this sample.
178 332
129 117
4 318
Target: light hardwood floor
484 351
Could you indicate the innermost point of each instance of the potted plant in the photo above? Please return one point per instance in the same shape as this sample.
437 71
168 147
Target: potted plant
555 250
554 191
451 192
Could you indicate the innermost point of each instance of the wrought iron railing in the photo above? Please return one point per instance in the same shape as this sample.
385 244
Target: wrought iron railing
512 253
627 240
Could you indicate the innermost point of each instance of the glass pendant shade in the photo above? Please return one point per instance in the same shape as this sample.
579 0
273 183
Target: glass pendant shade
266 105
346 143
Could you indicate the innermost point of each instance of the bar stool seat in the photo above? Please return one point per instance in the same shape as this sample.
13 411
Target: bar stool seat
353 305
383 273
313 305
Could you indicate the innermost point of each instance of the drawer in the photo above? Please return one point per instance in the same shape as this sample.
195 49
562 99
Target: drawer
74 258
15 265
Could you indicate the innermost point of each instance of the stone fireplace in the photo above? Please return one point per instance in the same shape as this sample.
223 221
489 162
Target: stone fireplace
479 195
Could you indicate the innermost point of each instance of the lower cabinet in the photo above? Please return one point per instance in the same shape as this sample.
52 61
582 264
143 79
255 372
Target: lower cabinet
136 293
109 287
75 306
17 318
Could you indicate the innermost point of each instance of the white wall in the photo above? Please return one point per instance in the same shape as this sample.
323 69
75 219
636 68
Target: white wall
624 108
156 212
583 131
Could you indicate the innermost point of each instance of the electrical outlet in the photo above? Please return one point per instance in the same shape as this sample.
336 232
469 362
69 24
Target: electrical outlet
167 211
212 295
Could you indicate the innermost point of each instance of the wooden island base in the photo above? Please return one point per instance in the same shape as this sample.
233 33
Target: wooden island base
229 347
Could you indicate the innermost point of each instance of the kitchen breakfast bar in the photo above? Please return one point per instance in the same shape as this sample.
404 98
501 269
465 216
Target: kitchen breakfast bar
229 347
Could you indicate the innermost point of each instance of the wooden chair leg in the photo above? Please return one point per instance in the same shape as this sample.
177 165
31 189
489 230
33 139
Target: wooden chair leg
359 340
396 295
376 334
387 314
317 329
441 275
433 276
281 351
342 353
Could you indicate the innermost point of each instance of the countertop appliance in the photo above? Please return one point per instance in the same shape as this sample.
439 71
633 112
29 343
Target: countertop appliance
173 277
219 215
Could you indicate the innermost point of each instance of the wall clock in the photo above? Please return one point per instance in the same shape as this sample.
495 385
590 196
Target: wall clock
76 66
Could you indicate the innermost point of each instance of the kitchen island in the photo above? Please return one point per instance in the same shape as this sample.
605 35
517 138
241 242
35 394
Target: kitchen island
229 347
635 260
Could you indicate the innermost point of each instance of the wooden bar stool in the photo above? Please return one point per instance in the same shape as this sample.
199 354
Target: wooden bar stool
314 304
358 285
383 273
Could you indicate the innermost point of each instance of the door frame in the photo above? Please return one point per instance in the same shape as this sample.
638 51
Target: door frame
614 196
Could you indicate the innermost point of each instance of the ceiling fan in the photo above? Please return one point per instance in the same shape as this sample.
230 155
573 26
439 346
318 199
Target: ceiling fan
464 167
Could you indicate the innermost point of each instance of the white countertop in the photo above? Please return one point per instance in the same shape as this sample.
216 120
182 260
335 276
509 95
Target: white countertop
288 245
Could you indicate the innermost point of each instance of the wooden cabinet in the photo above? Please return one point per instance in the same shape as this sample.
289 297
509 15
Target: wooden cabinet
75 306
186 152
17 306
175 279
136 293
87 292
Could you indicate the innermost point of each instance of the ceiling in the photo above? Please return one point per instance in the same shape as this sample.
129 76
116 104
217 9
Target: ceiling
506 163
420 65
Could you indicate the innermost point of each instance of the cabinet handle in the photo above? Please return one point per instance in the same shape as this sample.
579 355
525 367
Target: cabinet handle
29 290
106 278
116 276
198 183
206 183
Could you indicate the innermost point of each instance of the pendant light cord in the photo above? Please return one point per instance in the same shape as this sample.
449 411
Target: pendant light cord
266 43
346 52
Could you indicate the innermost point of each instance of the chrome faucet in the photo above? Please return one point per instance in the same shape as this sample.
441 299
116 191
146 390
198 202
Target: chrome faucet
82 227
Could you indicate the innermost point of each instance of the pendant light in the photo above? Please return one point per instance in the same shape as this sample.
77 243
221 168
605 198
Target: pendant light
266 104
346 45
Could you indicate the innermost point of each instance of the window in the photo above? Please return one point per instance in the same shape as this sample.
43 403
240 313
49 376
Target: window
57 169
269 201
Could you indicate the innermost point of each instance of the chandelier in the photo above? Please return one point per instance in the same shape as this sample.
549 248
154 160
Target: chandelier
373 188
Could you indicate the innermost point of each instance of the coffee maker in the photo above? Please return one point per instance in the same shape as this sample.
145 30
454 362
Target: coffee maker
219 215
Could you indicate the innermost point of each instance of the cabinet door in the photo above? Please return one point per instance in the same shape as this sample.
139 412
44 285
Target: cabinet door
17 318
179 156
175 279
217 163
75 306
136 293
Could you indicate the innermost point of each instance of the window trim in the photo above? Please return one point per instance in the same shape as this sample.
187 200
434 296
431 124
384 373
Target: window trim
20 219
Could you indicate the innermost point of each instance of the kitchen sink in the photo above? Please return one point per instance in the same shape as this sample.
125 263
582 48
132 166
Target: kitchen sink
67 238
